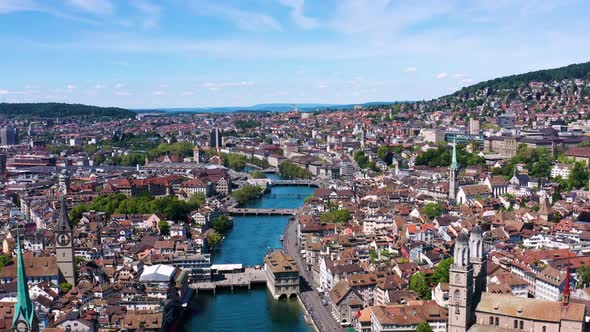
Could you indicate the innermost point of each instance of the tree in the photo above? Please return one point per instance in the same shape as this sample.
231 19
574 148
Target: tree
221 224
246 193
258 175
441 272
335 216
4 259
583 274
65 287
419 286
164 227
578 177
235 161
289 170
423 327
213 240
433 210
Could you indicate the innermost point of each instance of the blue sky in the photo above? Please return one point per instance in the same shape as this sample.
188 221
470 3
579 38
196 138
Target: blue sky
183 53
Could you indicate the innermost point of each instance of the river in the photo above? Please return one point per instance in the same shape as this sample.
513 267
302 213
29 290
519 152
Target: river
247 243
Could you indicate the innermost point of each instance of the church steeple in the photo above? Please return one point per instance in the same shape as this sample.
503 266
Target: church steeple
64 247
63 223
454 160
24 312
453 172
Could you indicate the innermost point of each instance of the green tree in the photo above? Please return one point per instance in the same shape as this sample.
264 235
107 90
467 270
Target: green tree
441 271
65 287
423 327
246 193
213 240
235 161
583 274
335 216
578 177
221 224
258 175
164 227
419 286
433 210
289 170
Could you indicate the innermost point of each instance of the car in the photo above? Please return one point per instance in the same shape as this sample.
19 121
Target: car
324 302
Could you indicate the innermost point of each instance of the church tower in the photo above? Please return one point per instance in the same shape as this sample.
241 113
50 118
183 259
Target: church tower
461 313
64 247
25 319
453 170
64 182
478 260
197 158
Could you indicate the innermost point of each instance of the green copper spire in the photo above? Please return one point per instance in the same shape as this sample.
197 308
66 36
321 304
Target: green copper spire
454 161
24 307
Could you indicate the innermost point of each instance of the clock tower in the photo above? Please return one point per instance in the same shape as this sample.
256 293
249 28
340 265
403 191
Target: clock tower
64 247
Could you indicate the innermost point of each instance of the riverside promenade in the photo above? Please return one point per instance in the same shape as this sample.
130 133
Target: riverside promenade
321 315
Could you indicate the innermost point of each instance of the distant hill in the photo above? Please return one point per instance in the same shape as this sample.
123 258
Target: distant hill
280 107
580 70
62 110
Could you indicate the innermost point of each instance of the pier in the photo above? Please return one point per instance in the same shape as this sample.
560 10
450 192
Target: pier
246 279
261 212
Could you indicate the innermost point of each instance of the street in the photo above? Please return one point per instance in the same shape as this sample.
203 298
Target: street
320 314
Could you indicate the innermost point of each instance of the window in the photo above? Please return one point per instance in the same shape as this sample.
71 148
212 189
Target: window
522 325
491 320
515 324
544 328
497 321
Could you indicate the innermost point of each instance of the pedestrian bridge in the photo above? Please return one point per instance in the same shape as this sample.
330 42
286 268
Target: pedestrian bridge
263 212
251 276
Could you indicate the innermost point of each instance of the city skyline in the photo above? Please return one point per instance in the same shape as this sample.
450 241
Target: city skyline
226 53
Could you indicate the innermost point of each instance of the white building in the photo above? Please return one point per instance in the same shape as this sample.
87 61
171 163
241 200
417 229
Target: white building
560 170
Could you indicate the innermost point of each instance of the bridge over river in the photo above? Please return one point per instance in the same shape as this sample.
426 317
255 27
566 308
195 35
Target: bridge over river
264 212
246 279
309 183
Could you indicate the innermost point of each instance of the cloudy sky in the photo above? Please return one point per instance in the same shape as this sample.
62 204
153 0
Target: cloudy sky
183 53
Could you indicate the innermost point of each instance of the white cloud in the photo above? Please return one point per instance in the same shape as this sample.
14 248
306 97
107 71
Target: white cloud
9 6
99 7
99 86
71 87
187 93
159 93
410 70
150 13
4 92
243 19
119 85
442 75
214 86
122 93
297 14
322 86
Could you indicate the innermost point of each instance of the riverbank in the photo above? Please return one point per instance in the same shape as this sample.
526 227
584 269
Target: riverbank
249 240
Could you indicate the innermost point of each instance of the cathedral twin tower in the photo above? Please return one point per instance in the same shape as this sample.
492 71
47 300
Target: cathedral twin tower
467 280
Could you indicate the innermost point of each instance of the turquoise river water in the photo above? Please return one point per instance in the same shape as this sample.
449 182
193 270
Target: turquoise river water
247 243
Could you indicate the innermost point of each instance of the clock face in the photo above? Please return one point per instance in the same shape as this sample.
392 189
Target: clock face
63 239
22 326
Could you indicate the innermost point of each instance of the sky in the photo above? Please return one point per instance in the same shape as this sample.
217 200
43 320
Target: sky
209 53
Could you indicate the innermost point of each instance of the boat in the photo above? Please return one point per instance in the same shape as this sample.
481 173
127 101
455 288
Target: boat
282 237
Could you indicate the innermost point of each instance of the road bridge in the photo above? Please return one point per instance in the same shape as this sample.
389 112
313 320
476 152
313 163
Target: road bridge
249 277
309 183
258 212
